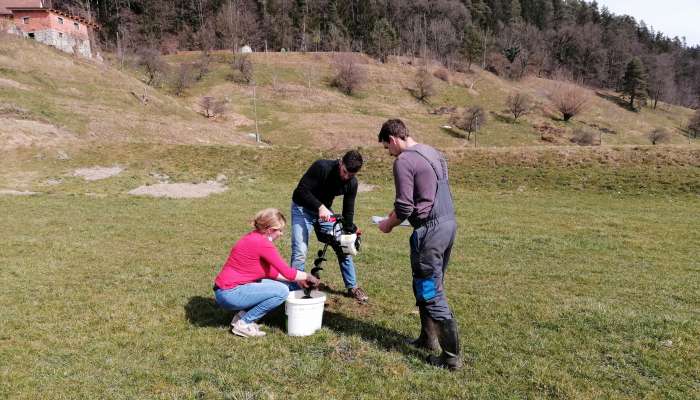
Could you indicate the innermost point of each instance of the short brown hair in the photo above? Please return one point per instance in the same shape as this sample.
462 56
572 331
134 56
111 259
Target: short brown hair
352 161
268 218
395 128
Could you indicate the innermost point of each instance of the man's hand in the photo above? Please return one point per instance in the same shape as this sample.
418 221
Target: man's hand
312 281
388 224
324 214
385 226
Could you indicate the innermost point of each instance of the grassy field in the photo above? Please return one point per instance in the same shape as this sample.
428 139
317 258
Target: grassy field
561 291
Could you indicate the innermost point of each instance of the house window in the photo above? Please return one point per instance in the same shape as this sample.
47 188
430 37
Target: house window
60 21
76 25
60 35
31 35
25 20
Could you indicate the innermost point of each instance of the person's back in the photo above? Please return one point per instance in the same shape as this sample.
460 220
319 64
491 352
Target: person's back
414 201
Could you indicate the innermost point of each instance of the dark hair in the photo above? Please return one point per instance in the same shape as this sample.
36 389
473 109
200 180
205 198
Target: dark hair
395 128
352 161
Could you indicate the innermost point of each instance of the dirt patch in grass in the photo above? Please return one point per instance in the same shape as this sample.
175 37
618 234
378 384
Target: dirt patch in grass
365 187
97 173
12 84
15 133
180 190
11 192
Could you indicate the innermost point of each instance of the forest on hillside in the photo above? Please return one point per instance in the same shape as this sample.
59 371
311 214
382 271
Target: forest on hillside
574 39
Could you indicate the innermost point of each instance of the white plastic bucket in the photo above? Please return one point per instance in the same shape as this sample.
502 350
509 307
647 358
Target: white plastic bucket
304 316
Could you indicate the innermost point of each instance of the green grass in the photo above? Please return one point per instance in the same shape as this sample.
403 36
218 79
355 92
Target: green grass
559 292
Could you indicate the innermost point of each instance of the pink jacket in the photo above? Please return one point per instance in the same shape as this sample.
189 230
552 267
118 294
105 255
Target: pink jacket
252 258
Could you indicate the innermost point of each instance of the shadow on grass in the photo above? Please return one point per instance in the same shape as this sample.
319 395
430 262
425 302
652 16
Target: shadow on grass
502 118
203 311
455 134
386 338
614 99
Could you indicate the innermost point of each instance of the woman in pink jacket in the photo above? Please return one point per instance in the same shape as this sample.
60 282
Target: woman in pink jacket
252 279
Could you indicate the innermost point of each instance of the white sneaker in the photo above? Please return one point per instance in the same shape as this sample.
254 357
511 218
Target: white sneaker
236 317
242 328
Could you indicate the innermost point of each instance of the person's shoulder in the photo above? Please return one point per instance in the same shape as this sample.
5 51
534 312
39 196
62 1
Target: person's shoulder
325 162
323 165
407 157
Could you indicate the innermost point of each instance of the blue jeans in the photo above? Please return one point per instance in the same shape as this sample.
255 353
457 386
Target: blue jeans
256 298
302 227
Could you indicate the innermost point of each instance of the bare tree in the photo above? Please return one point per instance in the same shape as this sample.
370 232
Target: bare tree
425 86
201 66
182 79
211 106
661 83
569 99
442 74
518 104
206 37
242 68
469 120
583 137
694 125
237 24
659 135
348 76
152 63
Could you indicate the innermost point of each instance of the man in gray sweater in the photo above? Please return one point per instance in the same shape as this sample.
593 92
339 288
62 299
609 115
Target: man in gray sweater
423 197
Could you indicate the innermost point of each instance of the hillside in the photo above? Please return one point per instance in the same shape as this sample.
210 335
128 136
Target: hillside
50 98
58 113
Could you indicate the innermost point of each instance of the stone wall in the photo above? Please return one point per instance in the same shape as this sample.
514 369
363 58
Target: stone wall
63 42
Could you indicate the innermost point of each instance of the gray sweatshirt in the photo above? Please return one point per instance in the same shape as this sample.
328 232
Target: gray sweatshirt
416 182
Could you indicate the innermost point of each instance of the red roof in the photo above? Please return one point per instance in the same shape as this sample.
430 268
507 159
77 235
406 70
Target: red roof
6 4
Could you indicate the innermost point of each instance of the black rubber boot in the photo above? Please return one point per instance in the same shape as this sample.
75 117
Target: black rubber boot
428 333
449 341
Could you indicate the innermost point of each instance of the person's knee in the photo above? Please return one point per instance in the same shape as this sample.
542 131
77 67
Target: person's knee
282 291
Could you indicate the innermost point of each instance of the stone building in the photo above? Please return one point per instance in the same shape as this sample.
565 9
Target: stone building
66 32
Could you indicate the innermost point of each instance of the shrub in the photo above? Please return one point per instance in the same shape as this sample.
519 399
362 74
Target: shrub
442 74
659 135
570 100
425 86
694 124
242 68
469 120
182 79
201 66
152 63
348 76
584 137
211 107
518 104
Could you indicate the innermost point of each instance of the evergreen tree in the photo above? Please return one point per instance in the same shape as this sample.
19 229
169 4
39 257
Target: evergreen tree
516 11
384 39
472 46
634 83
